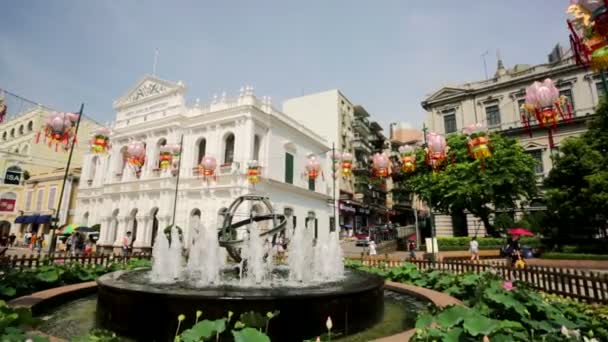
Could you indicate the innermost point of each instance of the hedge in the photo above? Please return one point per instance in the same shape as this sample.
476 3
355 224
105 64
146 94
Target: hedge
573 256
462 243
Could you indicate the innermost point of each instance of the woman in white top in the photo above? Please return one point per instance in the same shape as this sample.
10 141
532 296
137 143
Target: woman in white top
474 249
372 248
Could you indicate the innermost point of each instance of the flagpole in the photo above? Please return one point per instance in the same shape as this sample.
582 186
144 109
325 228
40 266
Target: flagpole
65 177
179 166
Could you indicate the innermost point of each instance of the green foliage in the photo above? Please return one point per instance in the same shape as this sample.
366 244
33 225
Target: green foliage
520 314
574 256
577 186
14 283
247 329
98 335
15 322
507 176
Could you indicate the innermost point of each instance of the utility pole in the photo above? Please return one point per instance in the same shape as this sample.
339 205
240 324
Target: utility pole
179 167
432 215
55 220
334 170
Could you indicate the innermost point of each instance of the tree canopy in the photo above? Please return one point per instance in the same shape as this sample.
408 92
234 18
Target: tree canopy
500 181
577 186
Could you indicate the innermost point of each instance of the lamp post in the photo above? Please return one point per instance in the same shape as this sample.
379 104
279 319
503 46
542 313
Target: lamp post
431 214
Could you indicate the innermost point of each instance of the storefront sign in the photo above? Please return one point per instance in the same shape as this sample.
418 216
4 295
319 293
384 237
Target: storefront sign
347 208
363 211
12 177
7 204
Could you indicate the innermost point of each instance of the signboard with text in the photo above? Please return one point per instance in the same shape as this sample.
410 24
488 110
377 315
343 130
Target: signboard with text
7 204
12 177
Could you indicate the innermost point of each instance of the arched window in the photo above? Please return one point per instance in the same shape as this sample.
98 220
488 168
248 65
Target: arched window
85 219
154 214
229 149
202 147
30 126
256 147
122 159
4 136
12 132
94 162
162 142
21 130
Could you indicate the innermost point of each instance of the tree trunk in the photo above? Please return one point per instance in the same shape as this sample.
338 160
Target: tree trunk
485 218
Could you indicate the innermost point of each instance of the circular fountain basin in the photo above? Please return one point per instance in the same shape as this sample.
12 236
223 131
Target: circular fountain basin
130 305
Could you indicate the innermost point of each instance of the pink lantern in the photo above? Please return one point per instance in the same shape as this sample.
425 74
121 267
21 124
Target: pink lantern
59 129
136 154
312 167
207 167
436 150
544 102
380 163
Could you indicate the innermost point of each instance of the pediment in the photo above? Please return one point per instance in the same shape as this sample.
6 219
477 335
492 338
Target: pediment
446 92
532 145
148 88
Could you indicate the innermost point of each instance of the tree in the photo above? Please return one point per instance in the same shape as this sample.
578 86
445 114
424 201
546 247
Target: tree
577 186
500 182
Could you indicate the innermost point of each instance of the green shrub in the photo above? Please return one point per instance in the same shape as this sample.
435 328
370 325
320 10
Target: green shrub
574 256
462 243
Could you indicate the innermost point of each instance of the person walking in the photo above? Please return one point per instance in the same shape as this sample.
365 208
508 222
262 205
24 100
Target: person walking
474 249
372 248
412 249
126 245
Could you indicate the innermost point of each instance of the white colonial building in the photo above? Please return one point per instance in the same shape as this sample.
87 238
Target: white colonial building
234 131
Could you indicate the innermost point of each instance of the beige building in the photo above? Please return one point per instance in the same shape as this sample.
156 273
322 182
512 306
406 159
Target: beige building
21 158
496 103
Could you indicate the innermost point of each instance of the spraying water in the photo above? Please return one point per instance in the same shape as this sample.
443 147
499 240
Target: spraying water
206 258
160 253
175 255
253 254
300 253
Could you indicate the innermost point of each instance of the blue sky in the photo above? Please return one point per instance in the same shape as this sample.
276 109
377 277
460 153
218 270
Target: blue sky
384 55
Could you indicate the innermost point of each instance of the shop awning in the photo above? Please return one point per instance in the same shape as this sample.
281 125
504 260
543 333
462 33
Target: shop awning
40 219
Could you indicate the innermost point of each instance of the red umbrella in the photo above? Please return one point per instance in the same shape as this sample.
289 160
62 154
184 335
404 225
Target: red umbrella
520 232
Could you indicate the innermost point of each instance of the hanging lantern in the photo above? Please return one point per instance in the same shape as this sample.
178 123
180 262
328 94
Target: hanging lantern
136 154
207 167
380 163
347 164
59 130
100 142
407 154
3 109
478 141
165 158
253 172
436 150
599 16
312 168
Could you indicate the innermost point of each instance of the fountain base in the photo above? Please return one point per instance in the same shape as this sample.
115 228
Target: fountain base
148 312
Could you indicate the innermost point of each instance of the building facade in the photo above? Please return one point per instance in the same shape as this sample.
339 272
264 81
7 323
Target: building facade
496 102
21 157
235 131
331 115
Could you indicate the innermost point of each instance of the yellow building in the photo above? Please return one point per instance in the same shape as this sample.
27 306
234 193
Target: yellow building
38 205
21 158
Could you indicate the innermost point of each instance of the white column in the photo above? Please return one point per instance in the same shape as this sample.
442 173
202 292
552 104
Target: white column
142 227
123 221
104 230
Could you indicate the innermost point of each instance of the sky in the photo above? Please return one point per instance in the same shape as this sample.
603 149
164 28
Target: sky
384 55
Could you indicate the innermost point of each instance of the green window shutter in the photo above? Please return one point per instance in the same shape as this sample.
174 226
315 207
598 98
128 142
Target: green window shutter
311 184
288 168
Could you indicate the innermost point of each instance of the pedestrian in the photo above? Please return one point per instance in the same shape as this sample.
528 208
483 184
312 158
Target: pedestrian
11 239
474 249
69 242
372 248
39 242
412 249
126 245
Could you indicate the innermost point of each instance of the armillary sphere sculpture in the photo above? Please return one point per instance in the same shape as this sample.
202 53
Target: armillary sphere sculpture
228 237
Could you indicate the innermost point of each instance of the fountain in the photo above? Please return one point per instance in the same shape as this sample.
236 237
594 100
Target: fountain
311 286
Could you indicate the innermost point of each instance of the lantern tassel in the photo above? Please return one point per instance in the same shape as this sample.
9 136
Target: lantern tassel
551 144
